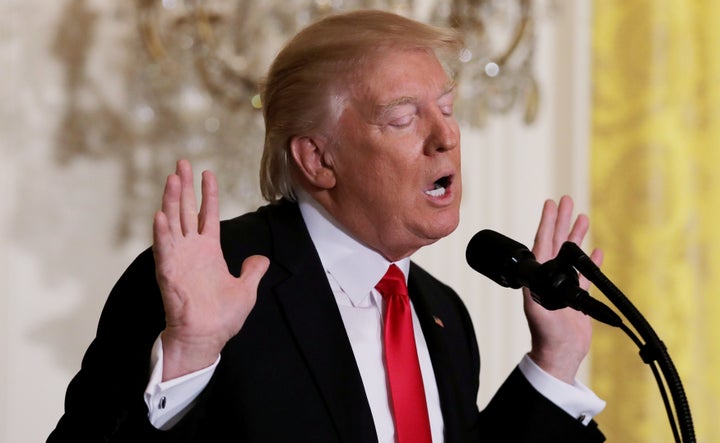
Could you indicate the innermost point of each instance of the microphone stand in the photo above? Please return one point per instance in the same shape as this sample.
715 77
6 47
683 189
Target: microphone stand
652 352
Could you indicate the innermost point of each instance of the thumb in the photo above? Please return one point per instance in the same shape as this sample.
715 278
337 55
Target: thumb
253 269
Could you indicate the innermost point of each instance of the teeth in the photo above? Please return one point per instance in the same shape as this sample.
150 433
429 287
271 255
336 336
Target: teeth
437 192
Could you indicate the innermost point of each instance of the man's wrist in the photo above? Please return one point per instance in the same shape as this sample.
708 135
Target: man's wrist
182 357
563 368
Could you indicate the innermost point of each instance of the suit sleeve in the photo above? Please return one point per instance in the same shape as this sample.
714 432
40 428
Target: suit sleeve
519 413
104 401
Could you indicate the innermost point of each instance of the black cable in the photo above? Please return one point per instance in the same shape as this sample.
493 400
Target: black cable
660 382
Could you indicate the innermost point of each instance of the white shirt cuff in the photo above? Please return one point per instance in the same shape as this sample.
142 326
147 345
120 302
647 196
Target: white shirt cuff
576 399
169 401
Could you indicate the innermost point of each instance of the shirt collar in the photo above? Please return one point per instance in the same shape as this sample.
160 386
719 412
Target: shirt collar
354 266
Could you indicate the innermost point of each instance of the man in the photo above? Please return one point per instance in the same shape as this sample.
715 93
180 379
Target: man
275 326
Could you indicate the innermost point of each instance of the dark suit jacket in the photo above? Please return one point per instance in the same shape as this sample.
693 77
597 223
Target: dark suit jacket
289 375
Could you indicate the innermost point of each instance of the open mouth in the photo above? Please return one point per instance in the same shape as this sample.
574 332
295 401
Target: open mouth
440 186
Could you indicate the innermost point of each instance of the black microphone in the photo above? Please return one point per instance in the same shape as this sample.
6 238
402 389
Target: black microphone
553 284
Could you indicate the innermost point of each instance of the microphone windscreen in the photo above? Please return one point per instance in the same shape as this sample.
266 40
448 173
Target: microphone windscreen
497 257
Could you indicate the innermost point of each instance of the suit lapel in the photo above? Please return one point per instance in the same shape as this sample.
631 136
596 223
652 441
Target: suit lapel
432 314
314 318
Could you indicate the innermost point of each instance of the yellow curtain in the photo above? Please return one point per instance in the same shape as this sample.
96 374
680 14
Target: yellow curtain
655 167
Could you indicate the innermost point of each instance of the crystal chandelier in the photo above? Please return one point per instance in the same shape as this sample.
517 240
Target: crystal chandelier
230 43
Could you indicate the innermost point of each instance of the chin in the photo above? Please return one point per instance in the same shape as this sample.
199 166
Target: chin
448 222
441 230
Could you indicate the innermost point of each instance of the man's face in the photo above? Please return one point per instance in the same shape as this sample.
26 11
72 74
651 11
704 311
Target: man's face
396 154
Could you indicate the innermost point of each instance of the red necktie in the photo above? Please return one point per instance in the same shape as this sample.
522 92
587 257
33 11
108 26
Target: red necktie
412 424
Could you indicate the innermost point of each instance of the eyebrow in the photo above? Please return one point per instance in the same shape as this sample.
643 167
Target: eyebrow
383 108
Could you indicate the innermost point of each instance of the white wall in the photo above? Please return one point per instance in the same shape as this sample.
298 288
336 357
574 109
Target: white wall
59 249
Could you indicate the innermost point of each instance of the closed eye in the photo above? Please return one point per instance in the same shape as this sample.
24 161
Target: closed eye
447 101
402 122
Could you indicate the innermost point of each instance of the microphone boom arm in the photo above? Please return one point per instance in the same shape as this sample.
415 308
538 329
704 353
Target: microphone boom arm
653 350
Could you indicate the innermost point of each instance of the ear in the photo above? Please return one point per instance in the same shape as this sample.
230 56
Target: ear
313 161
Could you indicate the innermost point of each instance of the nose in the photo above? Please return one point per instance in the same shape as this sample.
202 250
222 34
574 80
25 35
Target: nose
443 134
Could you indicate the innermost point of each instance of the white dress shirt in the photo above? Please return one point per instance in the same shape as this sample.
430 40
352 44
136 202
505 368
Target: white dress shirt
353 270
